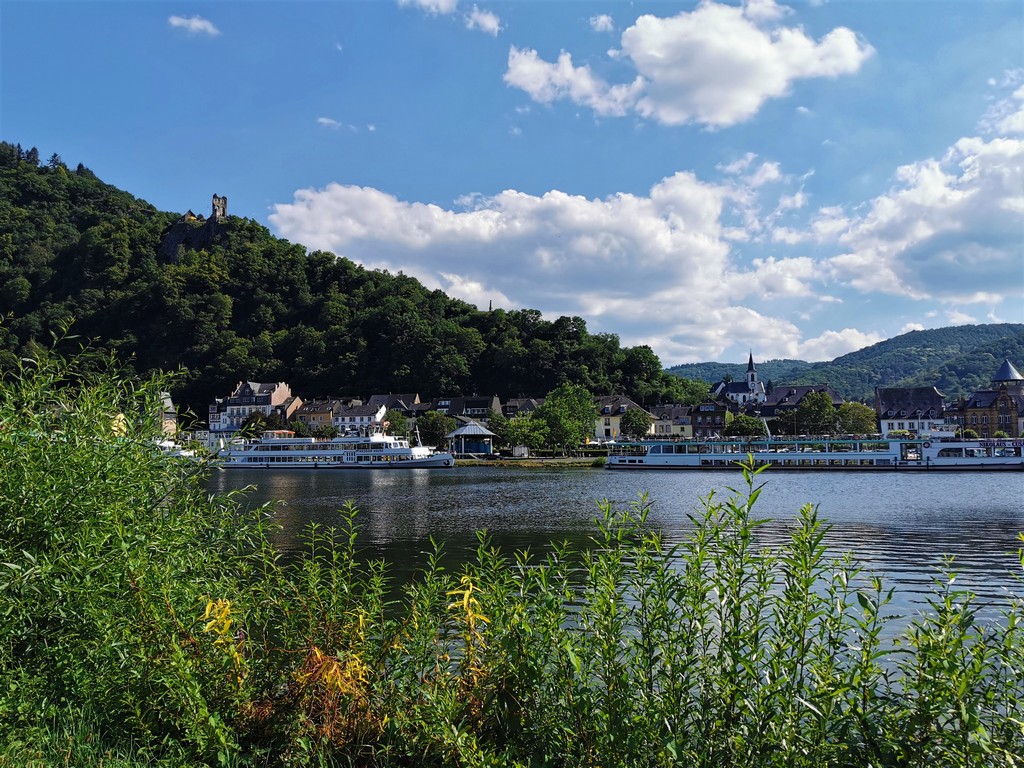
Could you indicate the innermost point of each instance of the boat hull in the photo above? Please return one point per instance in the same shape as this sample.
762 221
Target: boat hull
438 461
828 455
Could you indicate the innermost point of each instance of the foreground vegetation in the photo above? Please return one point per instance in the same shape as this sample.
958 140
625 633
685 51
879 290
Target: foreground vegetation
147 624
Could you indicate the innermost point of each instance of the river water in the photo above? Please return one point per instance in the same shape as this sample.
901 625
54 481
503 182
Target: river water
900 527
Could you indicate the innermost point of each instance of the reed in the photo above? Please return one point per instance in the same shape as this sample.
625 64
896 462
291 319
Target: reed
145 623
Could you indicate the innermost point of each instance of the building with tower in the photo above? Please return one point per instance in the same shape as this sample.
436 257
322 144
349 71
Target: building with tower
998 409
744 393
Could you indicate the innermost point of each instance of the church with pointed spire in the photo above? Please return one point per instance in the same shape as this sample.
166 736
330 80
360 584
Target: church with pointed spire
742 393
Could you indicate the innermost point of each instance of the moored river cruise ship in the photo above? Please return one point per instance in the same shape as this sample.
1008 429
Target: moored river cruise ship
281 449
833 453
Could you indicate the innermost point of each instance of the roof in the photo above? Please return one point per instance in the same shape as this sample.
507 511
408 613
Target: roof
613 404
900 401
1007 372
473 429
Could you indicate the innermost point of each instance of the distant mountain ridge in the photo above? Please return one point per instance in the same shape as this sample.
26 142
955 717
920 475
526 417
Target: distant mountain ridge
956 359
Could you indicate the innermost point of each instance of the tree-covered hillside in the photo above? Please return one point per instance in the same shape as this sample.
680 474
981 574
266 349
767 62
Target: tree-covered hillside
958 360
224 300
767 370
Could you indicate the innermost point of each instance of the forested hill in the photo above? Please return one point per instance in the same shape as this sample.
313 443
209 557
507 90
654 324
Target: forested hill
224 300
957 360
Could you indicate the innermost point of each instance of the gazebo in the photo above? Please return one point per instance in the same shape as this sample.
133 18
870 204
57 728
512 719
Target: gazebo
477 435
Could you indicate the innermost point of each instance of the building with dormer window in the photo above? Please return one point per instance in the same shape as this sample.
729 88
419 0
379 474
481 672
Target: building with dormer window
228 414
918 410
1000 408
610 410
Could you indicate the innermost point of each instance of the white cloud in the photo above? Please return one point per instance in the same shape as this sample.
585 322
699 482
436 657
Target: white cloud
957 317
1006 115
432 6
832 344
602 23
328 122
646 267
714 66
718 64
951 228
485 21
194 25
910 327
547 82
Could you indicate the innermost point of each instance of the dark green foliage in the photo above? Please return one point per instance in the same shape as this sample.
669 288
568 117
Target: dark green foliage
568 415
225 300
745 426
711 373
433 426
635 424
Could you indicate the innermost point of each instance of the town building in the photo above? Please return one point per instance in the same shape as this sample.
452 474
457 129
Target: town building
672 422
1000 408
708 420
228 414
610 410
918 410
168 415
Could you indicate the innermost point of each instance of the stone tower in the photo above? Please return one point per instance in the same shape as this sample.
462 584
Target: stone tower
220 207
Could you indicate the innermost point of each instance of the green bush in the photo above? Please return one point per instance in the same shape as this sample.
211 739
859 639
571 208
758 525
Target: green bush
147 624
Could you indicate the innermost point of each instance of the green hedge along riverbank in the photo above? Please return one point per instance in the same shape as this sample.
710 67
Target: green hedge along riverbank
144 623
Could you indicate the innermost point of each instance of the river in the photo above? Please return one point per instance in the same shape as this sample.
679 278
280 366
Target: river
898 526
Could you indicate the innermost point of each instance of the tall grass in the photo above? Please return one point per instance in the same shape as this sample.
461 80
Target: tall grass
143 623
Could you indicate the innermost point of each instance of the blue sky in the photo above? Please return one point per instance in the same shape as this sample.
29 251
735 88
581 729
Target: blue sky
799 180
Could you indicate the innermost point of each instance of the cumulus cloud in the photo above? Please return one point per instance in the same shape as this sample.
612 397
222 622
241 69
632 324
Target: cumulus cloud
713 66
602 23
547 82
1006 114
194 25
832 344
328 122
628 263
950 228
485 21
432 6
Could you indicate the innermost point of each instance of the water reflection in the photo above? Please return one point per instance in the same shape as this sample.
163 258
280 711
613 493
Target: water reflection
900 527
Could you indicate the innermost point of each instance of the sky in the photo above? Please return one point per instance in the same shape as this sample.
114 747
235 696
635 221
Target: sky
710 179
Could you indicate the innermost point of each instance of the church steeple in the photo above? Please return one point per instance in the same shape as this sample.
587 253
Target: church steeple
751 372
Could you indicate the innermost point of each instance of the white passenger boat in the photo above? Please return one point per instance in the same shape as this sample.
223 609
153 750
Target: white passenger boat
281 449
834 453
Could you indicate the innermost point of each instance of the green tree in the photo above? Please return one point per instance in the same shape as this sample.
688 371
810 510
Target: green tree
677 389
433 426
528 431
857 419
498 423
635 423
745 426
398 424
257 422
816 415
569 413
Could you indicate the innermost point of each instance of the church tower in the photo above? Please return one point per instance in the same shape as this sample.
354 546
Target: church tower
751 373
